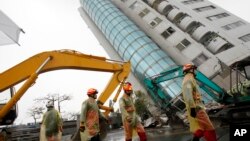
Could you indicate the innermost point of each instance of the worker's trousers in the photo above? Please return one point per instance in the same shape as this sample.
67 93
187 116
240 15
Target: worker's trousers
139 129
209 135
43 137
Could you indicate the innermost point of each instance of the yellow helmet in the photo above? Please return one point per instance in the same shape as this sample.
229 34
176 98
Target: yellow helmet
127 86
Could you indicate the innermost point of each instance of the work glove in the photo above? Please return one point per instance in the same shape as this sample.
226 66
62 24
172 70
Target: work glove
193 112
112 109
82 128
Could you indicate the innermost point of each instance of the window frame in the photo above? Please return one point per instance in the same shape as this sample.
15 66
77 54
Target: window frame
167 31
204 8
218 16
233 25
245 38
187 2
198 60
144 12
182 45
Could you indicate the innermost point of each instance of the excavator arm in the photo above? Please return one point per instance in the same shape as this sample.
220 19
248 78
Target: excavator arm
56 60
211 88
236 106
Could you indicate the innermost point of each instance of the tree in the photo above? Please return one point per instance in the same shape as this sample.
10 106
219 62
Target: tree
54 98
71 115
35 112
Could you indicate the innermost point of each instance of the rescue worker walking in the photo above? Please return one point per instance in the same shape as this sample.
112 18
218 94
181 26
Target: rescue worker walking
51 128
89 118
200 124
129 117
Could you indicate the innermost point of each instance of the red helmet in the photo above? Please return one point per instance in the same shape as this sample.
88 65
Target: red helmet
92 91
188 67
127 86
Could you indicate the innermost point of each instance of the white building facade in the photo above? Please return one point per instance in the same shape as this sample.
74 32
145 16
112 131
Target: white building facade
193 31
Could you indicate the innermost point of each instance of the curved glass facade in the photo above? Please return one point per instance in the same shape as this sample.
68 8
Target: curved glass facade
131 43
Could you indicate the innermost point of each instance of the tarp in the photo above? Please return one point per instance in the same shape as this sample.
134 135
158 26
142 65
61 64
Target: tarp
9 31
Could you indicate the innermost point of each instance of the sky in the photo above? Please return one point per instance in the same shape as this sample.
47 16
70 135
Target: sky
54 25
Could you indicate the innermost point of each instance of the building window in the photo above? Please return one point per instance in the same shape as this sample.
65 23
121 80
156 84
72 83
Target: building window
217 16
233 25
183 44
165 34
191 1
200 59
245 38
144 12
206 8
155 22
158 20
134 5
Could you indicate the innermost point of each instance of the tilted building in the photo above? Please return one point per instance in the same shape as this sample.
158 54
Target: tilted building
156 35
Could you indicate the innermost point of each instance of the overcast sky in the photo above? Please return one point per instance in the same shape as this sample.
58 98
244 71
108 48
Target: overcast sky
54 25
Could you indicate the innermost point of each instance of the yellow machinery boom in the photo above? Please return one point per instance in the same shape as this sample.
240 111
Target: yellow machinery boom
62 59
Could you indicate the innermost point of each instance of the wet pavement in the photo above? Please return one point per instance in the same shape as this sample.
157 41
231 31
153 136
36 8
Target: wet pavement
167 134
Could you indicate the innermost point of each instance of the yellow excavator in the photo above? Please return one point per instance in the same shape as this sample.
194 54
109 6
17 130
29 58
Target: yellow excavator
56 60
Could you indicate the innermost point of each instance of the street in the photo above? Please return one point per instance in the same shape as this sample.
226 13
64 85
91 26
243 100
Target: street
167 134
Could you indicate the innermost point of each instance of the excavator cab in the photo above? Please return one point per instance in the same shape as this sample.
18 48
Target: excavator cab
242 77
243 67
12 114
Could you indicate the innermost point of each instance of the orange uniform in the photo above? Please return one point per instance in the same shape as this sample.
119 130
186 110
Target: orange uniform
200 124
90 119
130 119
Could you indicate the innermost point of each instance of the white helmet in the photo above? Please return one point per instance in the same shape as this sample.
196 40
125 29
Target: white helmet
50 104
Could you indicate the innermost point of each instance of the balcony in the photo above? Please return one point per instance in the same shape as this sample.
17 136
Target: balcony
174 14
187 23
151 2
164 8
200 33
217 45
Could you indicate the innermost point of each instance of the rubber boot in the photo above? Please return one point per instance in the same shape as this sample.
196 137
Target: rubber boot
96 138
196 138
197 135
142 136
210 135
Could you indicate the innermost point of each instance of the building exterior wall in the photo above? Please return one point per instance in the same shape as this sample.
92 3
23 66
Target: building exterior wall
198 35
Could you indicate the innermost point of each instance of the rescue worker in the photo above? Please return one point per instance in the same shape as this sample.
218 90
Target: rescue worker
200 124
89 118
51 127
130 120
